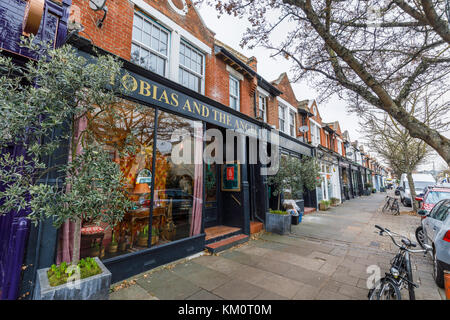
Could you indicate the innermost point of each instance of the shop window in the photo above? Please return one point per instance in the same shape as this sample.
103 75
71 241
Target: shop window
234 93
149 46
128 134
191 73
178 184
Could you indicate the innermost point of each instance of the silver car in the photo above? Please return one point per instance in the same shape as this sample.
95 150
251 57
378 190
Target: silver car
436 232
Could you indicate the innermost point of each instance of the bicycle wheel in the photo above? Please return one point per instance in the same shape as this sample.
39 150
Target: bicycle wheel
386 290
386 205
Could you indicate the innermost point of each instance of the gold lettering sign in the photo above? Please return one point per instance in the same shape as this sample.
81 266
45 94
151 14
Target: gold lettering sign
32 17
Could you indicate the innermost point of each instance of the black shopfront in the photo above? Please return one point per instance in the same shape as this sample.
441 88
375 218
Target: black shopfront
176 204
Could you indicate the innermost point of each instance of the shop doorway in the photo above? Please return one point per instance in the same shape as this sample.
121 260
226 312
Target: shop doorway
212 196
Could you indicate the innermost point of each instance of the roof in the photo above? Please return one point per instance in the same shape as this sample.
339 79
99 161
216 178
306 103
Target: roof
238 63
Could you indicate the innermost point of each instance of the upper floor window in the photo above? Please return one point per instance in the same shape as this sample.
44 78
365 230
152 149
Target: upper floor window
234 93
281 116
262 107
192 72
292 123
149 46
339 144
315 134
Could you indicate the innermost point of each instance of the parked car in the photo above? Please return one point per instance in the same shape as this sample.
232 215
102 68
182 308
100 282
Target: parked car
433 195
181 201
421 182
436 232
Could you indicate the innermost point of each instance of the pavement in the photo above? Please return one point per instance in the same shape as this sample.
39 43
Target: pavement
330 255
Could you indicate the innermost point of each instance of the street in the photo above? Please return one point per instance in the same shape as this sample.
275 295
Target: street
325 257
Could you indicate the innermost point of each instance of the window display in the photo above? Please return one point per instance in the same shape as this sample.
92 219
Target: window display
128 133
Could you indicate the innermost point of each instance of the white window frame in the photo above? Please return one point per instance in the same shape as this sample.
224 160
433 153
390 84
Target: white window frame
180 66
238 97
284 108
262 97
150 49
339 143
292 117
315 128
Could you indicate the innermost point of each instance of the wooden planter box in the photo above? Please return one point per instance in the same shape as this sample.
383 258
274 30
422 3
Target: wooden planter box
92 288
323 207
278 223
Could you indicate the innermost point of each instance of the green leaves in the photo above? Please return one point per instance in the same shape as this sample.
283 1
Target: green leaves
40 102
294 175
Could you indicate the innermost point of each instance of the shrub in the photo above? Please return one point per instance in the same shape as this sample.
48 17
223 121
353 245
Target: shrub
60 274
278 212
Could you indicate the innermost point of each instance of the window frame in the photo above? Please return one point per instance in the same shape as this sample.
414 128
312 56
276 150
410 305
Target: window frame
238 97
282 107
149 48
188 70
292 123
262 97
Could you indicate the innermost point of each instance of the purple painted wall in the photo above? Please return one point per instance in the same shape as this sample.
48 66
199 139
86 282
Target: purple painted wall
53 24
14 226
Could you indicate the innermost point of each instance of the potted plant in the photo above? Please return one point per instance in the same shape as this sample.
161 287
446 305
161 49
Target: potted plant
278 221
323 205
112 248
92 188
374 190
155 235
293 176
143 237
334 201
95 249
87 280
123 243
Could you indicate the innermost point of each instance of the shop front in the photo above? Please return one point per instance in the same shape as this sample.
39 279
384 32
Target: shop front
181 194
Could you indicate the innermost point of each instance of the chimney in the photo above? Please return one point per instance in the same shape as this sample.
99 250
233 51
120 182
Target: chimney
252 62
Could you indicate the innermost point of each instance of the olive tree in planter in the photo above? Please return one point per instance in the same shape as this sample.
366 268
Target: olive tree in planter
293 176
42 104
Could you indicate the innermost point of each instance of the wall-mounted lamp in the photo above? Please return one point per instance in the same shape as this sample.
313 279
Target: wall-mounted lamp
98 5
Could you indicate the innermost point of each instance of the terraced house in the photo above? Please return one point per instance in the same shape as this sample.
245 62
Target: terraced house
182 77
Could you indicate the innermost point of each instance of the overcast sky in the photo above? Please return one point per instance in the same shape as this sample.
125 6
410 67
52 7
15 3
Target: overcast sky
230 29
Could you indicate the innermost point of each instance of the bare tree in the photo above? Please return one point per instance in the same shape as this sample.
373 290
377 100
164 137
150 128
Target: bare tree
394 143
378 51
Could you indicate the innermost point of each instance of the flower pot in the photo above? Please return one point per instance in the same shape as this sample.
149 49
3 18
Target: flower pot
92 288
278 223
323 207
142 241
95 252
155 239
123 246
112 248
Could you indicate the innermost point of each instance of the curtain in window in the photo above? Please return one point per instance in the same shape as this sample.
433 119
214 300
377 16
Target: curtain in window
196 224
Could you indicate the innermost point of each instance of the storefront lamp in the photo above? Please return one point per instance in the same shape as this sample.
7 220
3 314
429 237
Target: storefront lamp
98 5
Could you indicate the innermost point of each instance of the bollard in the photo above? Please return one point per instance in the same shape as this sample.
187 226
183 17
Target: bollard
447 284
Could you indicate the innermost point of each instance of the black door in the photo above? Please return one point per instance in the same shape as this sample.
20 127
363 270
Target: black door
212 184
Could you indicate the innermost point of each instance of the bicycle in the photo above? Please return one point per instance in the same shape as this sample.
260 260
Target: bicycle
392 206
400 274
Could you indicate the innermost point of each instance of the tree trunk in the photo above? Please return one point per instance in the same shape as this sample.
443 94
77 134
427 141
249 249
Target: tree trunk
279 200
76 242
412 191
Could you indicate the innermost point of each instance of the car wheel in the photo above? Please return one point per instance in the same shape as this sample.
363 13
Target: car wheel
438 271
420 236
